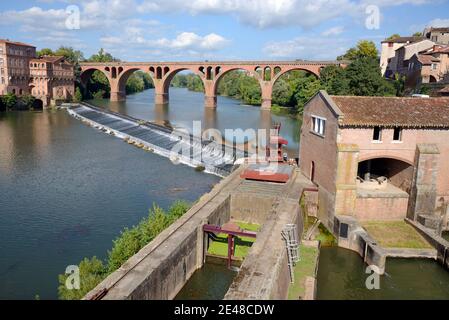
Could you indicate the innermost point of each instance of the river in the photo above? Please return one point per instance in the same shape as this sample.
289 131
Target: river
68 190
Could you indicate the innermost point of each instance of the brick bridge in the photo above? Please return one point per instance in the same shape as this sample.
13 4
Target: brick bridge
266 72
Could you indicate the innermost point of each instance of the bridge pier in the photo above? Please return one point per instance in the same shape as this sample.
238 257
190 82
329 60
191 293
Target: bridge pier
210 102
266 104
118 96
161 98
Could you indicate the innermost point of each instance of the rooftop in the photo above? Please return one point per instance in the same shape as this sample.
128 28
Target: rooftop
392 111
427 59
15 43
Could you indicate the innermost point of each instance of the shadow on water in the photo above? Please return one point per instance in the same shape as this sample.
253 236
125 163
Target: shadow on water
208 283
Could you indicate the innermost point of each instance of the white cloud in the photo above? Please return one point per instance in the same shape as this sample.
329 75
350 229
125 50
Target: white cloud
273 13
438 23
333 31
185 43
313 48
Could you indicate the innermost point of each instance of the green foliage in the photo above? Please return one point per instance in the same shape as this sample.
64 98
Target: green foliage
102 56
130 241
2 105
138 82
365 79
394 36
363 49
45 52
78 97
418 34
27 101
9 100
92 272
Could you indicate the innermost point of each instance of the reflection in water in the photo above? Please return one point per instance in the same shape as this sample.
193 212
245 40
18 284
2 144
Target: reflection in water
341 275
187 106
67 191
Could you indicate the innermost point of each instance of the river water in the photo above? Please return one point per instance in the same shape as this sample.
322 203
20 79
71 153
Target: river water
341 275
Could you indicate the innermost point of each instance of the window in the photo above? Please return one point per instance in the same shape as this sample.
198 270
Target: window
397 134
377 134
434 66
318 125
390 44
435 38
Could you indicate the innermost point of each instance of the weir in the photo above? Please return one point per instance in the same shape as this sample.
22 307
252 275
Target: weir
163 267
174 143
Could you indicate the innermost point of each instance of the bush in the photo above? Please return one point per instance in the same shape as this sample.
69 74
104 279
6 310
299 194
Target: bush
92 272
9 100
130 241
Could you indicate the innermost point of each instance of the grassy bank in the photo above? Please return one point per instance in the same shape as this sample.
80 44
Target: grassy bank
303 269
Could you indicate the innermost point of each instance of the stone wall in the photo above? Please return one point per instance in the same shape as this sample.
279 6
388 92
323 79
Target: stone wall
161 268
381 208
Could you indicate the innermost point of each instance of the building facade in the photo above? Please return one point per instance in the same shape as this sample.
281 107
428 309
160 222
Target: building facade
437 35
388 60
48 79
377 158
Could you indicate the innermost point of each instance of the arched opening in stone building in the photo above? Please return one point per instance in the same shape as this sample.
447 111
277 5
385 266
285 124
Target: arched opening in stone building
38 104
385 173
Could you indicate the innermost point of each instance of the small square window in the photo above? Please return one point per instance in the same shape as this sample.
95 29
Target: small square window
377 134
397 134
318 125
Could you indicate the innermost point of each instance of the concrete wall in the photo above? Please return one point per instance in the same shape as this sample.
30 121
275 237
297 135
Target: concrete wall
250 208
161 268
386 208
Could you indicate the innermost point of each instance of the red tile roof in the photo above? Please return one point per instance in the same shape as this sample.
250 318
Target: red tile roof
426 59
444 90
392 111
16 43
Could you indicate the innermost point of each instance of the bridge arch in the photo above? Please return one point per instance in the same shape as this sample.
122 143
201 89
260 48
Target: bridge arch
125 74
281 72
211 94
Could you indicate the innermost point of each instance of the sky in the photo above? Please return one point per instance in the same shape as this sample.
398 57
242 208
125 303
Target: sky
194 30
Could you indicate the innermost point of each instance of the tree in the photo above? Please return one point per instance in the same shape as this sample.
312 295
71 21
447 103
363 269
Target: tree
27 100
9 100
365 79
102 56
305 88
72 55
334 81
78 97
418 34
281 93
45 52
394 36
363 49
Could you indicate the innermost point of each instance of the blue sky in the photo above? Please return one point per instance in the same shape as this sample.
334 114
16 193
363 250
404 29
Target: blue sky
169 30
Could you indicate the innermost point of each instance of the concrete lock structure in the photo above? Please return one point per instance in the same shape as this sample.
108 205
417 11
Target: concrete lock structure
210 73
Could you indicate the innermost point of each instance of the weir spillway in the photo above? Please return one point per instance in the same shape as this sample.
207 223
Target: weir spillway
174 143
